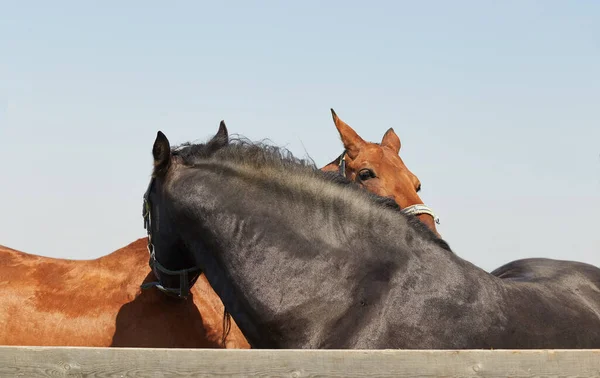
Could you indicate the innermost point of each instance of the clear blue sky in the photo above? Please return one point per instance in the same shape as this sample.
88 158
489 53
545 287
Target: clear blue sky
497 105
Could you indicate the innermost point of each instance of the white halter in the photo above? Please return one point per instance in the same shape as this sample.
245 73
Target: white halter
420 209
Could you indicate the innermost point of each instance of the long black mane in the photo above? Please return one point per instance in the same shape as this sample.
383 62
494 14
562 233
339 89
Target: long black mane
262 154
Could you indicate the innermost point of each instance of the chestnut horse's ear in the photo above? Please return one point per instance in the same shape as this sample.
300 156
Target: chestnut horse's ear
162 153
351 140
391 140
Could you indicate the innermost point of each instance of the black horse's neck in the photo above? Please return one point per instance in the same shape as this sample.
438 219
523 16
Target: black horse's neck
226 289
295 273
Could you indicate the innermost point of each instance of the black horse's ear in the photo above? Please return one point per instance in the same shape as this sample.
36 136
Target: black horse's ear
162 153
221 138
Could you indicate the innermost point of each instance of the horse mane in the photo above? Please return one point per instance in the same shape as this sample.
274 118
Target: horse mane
242 150
389 203
259 154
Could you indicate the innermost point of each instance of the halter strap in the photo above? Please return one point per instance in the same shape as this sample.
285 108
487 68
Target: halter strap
185 282
342 164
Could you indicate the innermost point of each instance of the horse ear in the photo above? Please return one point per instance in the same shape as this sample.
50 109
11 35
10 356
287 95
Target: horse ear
221 138
351 140
332 167
222 134
161 152
391 140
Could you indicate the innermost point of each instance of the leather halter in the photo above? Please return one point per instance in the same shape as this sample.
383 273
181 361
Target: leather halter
417 209
187 277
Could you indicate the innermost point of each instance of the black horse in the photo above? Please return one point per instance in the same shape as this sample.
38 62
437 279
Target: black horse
304 259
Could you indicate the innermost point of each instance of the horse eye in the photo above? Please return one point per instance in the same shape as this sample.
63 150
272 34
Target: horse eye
419 189
366 174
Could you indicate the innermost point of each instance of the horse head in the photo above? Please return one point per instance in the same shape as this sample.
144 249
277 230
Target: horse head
379 168
176 273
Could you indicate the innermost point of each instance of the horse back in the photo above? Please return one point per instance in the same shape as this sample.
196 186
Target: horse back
60 302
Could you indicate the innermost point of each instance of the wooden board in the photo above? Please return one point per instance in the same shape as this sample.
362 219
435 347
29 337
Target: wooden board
141 362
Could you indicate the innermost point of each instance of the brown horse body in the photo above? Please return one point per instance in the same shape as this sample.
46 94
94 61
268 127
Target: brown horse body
57 302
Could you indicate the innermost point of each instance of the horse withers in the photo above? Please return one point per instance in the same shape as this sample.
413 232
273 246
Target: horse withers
302 259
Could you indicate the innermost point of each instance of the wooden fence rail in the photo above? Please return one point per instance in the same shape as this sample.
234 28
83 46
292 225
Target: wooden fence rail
141 362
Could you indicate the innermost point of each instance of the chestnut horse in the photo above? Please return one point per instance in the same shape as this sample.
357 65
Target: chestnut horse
59 302
378 168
